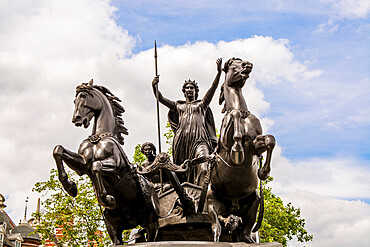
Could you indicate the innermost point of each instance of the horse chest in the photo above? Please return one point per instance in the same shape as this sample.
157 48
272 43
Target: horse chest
95 151
250 130
234 182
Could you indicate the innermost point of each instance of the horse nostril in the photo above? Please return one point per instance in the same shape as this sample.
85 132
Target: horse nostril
76 118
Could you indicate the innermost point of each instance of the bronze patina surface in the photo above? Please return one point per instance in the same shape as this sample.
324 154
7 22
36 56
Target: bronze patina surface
127 197
233 199
203 244
207 192
193 125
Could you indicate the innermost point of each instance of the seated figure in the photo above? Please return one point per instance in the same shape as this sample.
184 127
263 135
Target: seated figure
149 150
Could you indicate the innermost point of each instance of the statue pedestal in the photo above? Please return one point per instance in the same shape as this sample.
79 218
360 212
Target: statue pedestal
202 244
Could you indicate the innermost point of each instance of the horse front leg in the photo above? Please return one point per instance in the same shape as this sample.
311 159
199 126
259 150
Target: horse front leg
105 200
152 231
262 144
249 217
237 151
74 161
115 225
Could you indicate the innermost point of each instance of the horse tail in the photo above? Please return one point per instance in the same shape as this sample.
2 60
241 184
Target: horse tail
261 211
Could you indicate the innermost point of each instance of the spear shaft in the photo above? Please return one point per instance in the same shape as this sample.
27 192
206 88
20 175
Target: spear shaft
158 119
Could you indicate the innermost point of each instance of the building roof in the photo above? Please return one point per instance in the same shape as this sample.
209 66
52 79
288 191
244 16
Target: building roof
4 218
26 231
13 233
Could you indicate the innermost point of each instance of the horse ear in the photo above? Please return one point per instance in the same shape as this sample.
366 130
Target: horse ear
90 82
226 65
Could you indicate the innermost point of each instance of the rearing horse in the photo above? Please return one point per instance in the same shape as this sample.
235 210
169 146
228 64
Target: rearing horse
128 198
235 173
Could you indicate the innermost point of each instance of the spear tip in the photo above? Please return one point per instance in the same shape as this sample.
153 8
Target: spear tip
155 48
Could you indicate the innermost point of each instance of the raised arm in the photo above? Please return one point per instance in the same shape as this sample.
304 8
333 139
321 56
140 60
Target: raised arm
169 103
211 91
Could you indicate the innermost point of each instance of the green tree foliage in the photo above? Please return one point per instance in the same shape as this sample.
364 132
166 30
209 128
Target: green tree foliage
281 223
79 218
169 137
138 157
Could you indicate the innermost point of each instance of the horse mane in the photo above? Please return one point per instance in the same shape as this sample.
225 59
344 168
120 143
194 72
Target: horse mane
117 112
116 108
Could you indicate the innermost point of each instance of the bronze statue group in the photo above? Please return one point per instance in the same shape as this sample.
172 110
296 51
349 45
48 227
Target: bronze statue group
211 177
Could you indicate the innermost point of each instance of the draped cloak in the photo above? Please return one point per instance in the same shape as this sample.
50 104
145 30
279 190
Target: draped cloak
193 125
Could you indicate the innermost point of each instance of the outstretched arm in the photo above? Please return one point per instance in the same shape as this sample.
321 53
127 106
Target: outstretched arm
169 103
209 95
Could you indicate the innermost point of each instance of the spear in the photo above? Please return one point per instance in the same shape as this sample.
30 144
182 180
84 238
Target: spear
158 119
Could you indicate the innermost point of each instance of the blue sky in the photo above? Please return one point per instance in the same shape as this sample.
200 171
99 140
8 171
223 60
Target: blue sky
328 40
310 87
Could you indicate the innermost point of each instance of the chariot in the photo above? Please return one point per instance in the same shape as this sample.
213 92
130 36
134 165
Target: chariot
223 208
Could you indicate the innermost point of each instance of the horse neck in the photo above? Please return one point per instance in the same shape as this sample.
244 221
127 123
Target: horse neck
104 119
234 99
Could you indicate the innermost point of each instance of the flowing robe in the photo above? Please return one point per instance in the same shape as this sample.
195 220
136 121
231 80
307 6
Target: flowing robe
194 129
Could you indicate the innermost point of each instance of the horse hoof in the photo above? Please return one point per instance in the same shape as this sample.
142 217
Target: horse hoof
70 187
233 222
237 157
262 174
247 239
109 201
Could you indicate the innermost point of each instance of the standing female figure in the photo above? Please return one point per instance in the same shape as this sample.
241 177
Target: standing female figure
193 125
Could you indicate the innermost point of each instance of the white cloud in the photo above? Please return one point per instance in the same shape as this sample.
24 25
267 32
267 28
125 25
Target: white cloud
42 65
363 29
273 61
333 222
339 177
347 8
46 51
352 8
319 188
330 26
343 9
52 47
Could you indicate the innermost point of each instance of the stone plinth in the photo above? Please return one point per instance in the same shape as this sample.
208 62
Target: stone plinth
202 244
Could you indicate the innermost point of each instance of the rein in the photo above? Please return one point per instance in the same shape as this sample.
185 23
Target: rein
227 164
244 113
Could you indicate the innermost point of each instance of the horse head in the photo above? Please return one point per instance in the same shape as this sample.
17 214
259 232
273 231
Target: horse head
234 177
86 104
93 100
122 193
237 71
